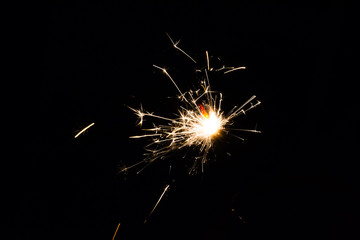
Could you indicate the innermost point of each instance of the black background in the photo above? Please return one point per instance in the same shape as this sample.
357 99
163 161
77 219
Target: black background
82 62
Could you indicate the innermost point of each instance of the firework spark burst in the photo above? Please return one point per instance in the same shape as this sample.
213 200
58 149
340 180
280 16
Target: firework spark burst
198 122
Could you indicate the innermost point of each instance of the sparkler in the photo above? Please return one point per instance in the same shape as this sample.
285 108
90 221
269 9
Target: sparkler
198 122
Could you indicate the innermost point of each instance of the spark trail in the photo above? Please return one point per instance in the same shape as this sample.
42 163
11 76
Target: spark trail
84 129
198 122
157 203
117 228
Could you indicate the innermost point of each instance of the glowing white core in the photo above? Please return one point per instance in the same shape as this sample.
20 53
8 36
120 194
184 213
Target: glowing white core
210 126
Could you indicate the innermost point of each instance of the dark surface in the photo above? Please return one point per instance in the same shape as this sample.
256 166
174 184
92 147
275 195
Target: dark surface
84 61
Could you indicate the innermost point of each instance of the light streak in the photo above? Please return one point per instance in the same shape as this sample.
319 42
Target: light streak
168 75
234 69
157 203
198 122
230 69
207 60
116 231
175 46
83 130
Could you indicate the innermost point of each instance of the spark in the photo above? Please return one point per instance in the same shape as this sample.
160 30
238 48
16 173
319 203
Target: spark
176 47
168 75
207 60
199 120
229 69
86 128
116 231
157 203
234 69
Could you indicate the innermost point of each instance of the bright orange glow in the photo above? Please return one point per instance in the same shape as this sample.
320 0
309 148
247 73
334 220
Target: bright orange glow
203 111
